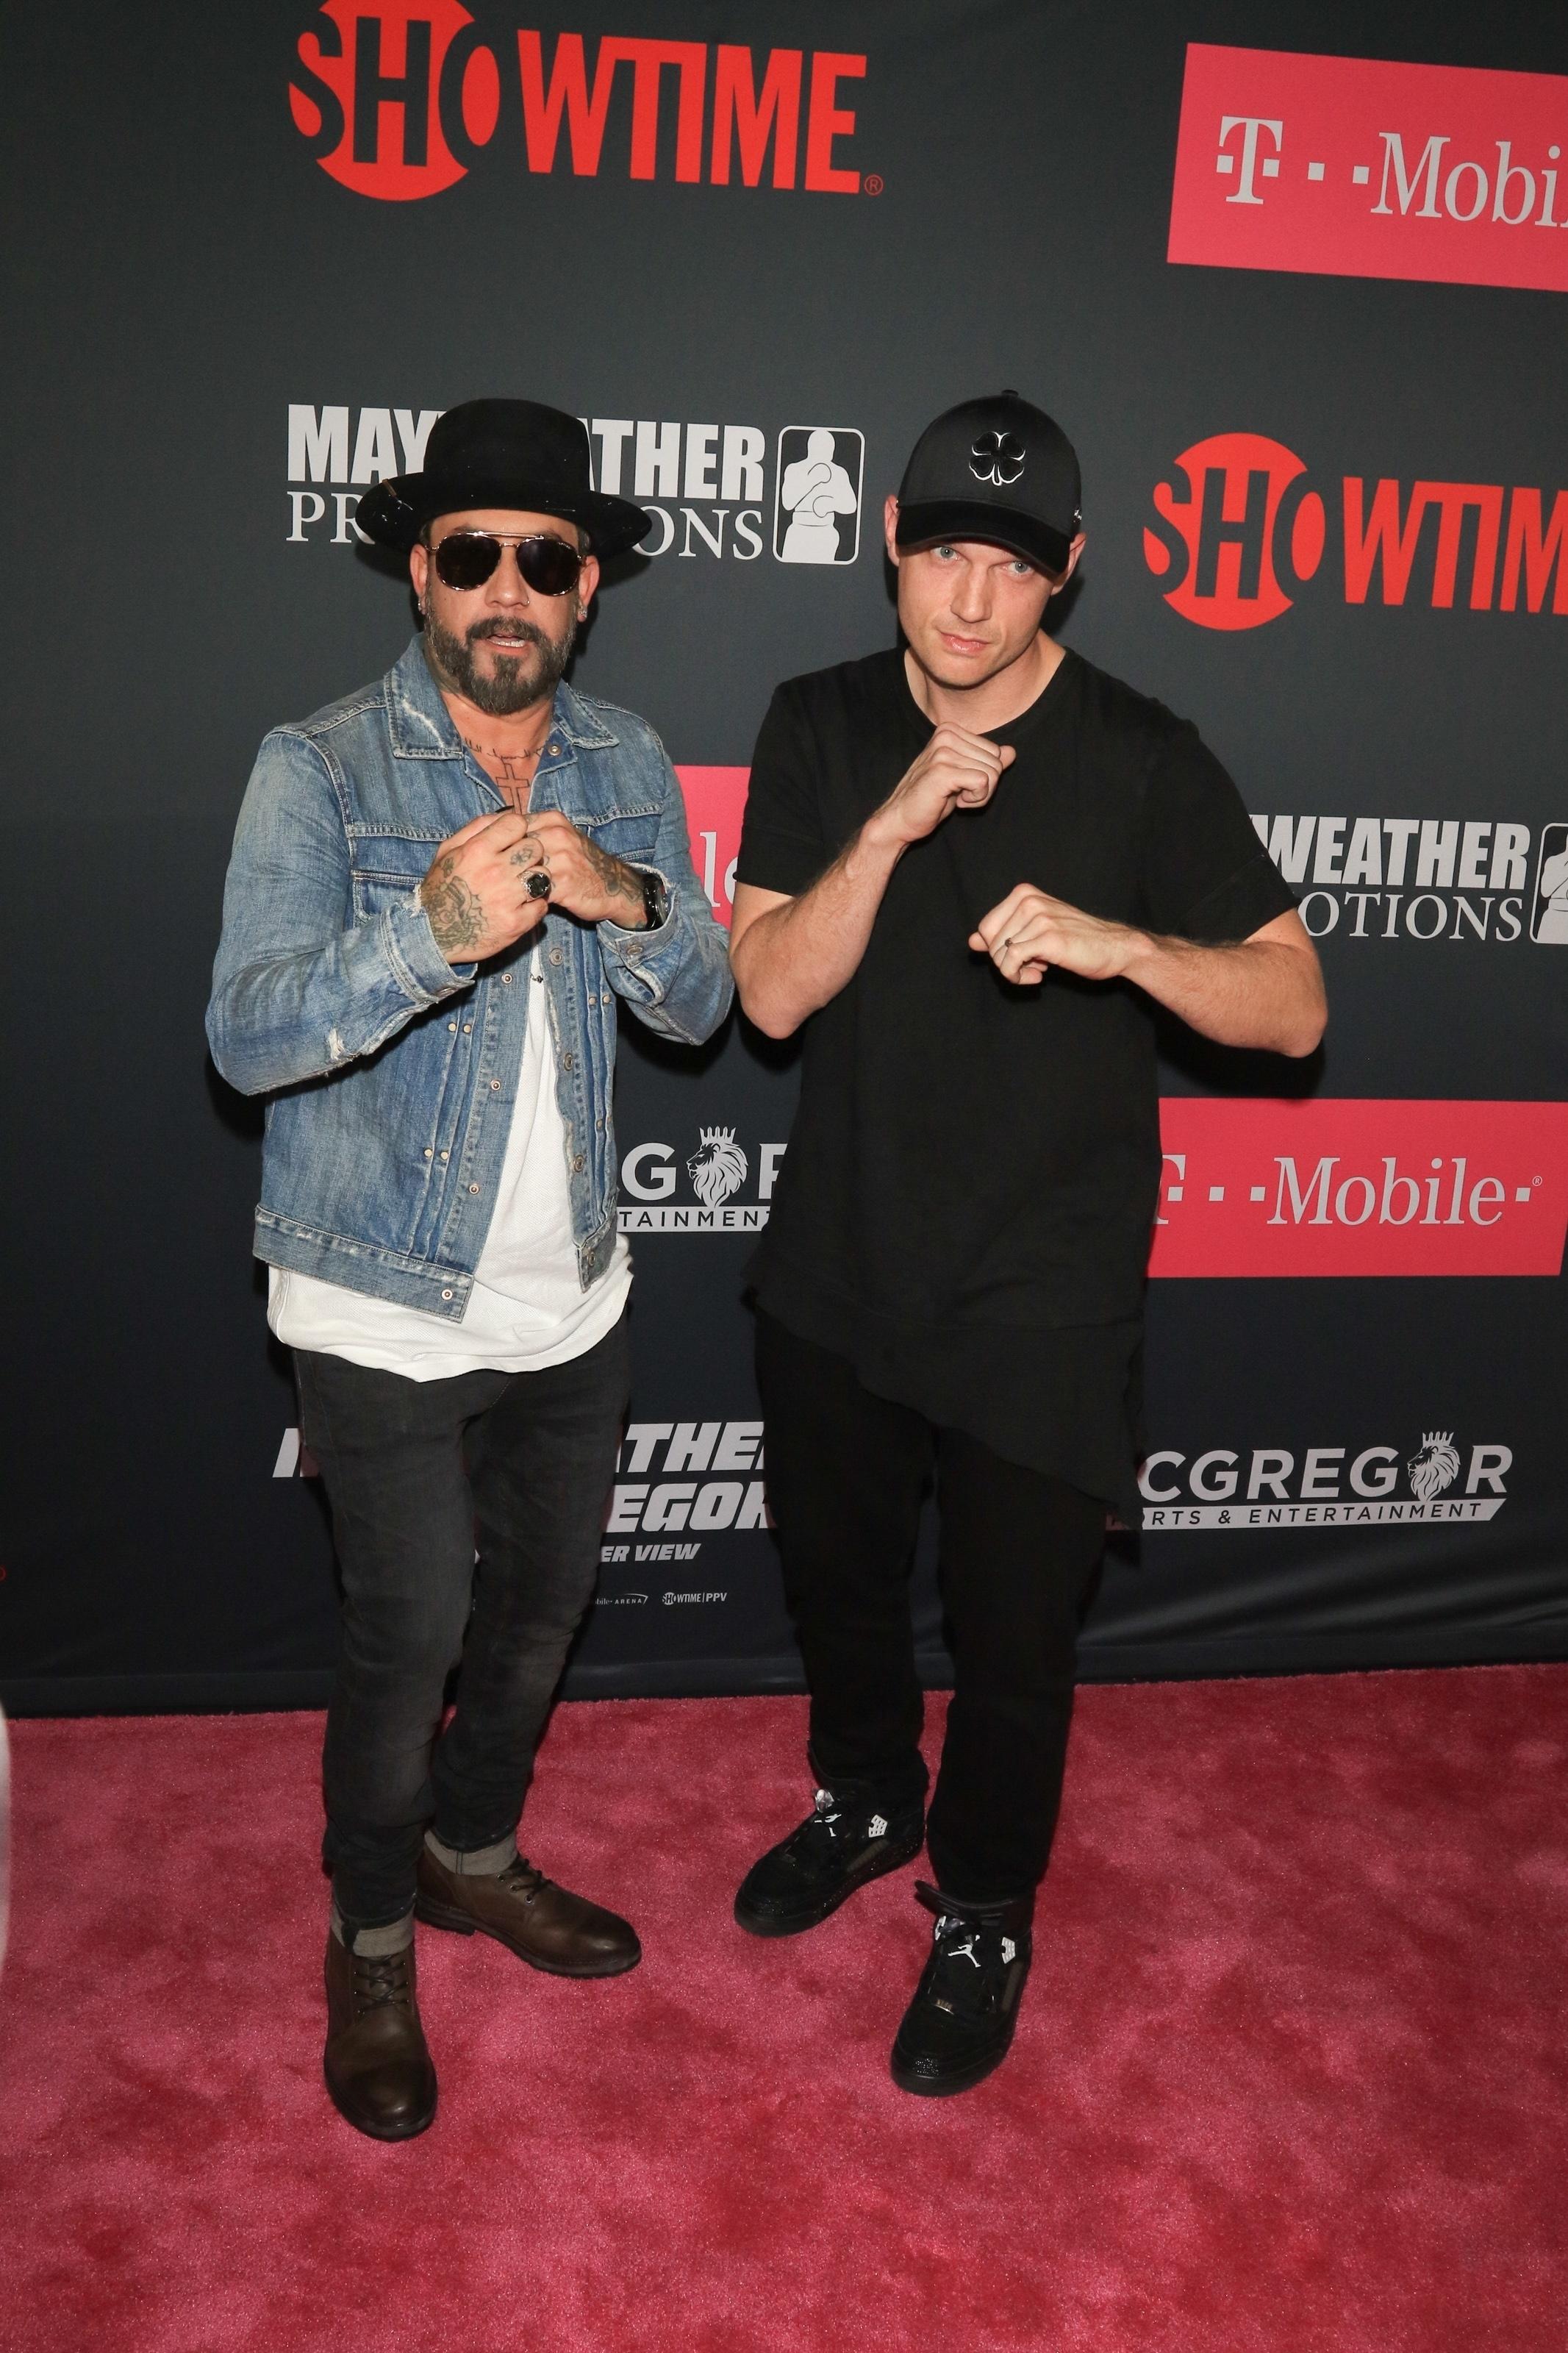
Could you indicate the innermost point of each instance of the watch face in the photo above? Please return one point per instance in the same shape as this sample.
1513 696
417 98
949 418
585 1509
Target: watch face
655 901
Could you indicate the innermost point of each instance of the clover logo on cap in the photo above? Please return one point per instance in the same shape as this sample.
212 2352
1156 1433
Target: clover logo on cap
996 457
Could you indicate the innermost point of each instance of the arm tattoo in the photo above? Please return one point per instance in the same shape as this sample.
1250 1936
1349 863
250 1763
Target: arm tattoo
617 877
456 914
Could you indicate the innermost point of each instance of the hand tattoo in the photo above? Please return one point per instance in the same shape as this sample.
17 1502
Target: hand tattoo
456 914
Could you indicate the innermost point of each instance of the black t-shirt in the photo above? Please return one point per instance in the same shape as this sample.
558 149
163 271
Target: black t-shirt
965 1207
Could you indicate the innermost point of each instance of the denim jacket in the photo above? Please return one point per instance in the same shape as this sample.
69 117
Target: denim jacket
392 1074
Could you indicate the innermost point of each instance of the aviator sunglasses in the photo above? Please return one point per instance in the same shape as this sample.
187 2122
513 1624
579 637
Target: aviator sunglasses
466 559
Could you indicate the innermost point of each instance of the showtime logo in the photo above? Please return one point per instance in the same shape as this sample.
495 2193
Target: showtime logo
1256 1187
1324 1486
1242 532
1368 169
397 99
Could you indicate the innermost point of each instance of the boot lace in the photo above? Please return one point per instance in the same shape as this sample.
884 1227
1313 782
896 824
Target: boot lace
381 1980
521 1878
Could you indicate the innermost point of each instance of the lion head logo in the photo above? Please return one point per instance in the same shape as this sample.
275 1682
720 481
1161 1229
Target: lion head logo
718 1166
1434 1465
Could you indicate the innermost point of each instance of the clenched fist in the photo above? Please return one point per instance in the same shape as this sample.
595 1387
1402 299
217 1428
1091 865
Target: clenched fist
1028 932
476 892
957 770
498 876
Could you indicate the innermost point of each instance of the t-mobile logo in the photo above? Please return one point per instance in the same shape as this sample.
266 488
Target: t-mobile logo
1251 127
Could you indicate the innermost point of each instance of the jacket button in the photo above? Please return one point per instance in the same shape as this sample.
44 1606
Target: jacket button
506 980
555 956
445 1155
578 1162
473 1188
453 1028
566 1061
446 1294
429 1152
468 1028
495 1086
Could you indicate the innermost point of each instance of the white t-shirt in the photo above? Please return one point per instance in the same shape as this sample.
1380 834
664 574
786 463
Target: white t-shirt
527 1308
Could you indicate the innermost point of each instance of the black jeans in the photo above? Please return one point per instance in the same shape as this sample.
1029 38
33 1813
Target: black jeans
422 1476
1018 1557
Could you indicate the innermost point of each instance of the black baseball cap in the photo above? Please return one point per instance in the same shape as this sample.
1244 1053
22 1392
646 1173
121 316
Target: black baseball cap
998 469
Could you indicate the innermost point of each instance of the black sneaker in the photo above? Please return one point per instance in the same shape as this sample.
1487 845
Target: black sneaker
961 2021
836 1850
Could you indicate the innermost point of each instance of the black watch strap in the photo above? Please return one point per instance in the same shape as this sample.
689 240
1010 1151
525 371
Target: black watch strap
655 898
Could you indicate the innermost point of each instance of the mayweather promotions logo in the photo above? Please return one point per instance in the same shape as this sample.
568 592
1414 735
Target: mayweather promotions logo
1423 878
399 99
1239 531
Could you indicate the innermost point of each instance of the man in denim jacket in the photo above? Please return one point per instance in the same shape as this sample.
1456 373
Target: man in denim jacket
441 887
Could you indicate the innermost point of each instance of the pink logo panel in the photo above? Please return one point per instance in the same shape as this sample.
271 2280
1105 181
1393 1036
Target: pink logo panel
715 803
1361 168
1257 1187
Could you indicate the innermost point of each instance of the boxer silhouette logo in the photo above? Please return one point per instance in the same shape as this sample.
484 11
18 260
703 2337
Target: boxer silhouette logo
1549 916
998 458
817 513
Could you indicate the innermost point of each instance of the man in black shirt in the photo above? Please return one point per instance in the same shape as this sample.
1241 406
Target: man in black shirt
970 868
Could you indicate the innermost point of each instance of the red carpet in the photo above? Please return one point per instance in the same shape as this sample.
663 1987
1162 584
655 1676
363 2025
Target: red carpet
1291 2075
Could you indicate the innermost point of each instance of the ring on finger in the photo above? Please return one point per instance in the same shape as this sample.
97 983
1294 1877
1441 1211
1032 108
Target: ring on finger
537 883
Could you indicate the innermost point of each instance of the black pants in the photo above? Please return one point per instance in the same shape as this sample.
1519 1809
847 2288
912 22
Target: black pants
1018 1556
422 1476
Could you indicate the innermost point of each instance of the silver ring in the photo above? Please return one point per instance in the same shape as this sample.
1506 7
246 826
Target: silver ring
538 883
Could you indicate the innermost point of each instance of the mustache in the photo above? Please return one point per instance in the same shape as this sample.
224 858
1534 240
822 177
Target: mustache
500 629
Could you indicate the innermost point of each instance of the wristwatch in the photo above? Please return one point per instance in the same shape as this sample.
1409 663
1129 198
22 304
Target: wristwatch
655 898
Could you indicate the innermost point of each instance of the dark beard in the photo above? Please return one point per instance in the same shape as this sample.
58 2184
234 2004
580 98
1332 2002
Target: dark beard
517 682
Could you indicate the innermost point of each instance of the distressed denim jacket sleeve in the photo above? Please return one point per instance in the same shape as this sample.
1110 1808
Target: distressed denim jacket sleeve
298 988
676 979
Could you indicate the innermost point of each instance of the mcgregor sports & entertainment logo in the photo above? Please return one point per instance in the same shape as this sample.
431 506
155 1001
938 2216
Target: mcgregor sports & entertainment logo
1239 530
1325 1486
399 100
1365 168
665 1192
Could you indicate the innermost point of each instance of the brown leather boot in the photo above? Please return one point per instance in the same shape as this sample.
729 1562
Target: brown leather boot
540 1922
377 2068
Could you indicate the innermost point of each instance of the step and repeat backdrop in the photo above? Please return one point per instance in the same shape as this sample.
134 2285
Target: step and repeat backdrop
1295 280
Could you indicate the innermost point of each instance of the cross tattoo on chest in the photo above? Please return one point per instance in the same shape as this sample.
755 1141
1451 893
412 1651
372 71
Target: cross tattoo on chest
516 771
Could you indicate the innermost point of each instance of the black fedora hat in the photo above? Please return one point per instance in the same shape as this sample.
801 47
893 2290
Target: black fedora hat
502 453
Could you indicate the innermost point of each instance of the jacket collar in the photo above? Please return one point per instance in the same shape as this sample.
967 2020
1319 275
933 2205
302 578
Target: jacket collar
420 724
